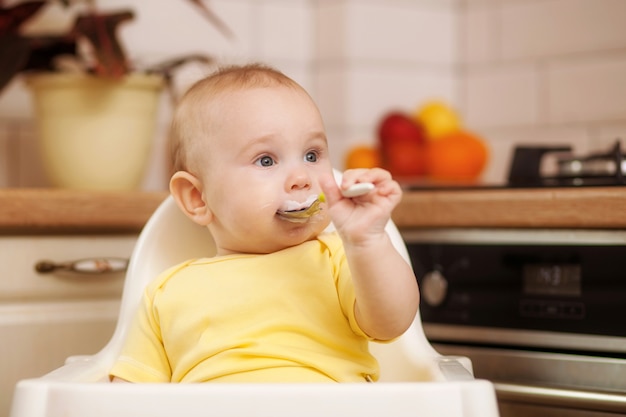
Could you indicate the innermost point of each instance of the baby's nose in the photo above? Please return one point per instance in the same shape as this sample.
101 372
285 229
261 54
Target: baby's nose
299 179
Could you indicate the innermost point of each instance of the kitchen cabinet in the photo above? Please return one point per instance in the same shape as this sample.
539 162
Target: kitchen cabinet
47 317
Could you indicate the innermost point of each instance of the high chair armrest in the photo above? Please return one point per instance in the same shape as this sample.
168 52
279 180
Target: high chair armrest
78 358
455 368
80 369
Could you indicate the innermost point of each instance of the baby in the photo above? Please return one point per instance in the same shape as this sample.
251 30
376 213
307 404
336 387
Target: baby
283 300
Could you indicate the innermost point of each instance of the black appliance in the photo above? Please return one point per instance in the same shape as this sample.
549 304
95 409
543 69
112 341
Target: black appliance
541 312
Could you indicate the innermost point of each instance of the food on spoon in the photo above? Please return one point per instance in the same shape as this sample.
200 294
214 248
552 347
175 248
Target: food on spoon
296 212
301 212
291 205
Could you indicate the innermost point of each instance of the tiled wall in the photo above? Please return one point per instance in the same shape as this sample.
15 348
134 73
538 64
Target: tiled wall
520 71
544 72
374 56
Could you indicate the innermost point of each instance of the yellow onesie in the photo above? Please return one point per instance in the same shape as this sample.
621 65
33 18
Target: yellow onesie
281 317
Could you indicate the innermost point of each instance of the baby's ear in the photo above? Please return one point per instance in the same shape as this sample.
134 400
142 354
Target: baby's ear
187 191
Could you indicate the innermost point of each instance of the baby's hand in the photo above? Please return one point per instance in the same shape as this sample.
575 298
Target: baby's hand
361 218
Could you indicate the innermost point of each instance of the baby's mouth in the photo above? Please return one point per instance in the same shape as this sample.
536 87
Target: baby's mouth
296 212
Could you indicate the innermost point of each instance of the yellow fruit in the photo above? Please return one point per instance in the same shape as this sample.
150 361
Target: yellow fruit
362 157
438 119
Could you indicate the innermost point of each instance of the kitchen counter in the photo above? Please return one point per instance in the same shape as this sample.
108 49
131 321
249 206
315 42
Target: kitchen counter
28 211
48 210
590 207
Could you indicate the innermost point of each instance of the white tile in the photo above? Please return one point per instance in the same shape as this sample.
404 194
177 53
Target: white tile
375 91
188 74
359 96
147 40
286 31
342 139
338 144
331 88
605 136
392 32
559 27
587 90
330 30
479 34
483 3
502 96
158 169
299 72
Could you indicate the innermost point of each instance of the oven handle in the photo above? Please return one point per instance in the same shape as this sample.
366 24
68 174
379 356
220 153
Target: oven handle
574 399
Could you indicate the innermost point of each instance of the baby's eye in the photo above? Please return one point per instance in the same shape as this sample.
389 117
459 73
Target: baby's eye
310 157
265 161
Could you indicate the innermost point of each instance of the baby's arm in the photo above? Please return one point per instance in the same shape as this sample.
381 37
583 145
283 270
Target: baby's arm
387 296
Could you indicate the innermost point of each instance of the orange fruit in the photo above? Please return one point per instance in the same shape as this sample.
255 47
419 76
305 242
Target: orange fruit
362 157
457 156
438 119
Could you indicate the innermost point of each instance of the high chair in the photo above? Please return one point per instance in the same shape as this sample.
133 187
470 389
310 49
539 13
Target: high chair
415 379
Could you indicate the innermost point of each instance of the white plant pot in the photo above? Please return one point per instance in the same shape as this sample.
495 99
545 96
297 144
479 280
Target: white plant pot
94 133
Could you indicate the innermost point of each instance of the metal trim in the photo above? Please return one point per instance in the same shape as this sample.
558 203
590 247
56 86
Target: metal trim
524 338
555 397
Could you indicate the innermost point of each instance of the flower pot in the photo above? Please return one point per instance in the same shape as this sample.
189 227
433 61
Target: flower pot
95 133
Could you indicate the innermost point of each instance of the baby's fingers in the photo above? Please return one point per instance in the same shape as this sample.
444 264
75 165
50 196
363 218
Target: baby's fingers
330 189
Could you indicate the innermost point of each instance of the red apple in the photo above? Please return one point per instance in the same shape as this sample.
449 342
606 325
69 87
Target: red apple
402 145
399 127
405 159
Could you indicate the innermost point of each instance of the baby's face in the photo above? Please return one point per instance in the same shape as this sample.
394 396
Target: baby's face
266 153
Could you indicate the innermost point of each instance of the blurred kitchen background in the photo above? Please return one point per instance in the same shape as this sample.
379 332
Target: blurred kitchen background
518 71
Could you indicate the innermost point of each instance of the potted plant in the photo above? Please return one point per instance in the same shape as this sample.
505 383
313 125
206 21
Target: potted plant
96 113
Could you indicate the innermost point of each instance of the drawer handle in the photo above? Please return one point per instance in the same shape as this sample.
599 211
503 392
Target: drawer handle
84 266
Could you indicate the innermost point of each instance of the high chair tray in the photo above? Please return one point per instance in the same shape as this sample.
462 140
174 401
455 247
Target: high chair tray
471 398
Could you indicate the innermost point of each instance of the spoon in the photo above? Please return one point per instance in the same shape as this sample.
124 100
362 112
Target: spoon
357 190
303 215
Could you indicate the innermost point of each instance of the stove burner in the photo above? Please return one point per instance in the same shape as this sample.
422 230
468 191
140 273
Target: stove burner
602 169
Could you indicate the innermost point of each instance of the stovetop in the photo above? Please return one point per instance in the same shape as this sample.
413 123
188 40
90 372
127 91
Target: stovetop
605 169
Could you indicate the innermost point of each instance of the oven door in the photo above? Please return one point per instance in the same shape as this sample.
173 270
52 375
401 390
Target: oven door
548 384
539 313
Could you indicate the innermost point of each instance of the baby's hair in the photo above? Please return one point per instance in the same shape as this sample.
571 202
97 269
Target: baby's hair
190 117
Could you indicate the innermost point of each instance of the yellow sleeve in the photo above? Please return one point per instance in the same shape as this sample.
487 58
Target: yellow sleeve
143 357
344 284
343 280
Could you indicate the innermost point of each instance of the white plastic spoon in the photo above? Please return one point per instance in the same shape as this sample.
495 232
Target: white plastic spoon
358 189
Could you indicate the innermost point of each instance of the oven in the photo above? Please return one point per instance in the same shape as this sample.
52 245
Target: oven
540 312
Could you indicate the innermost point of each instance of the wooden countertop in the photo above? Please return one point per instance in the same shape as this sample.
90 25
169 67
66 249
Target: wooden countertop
29 211
593 207
47 210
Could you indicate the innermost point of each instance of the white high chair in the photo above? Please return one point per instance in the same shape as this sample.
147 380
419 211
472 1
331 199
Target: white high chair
424 382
